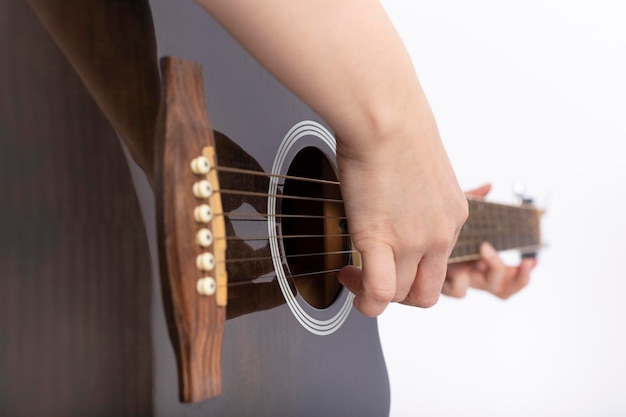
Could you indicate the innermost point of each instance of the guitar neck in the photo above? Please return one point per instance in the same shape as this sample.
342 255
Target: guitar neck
504 226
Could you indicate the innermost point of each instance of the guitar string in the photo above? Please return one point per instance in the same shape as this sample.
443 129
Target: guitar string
296 216
451 260
256 238
266 175
484 204
305 274
293 197
473 254
337 183
299 255
254 217
284 196
282 176
471 236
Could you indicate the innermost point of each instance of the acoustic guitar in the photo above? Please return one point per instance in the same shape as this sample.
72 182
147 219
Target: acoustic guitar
219 297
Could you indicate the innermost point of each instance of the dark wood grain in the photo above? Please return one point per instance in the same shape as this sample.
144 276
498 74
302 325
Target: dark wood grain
77 338
111 45
75 290
196 321
82 332
504 226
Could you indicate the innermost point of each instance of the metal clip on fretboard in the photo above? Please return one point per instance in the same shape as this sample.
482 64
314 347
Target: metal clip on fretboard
519 189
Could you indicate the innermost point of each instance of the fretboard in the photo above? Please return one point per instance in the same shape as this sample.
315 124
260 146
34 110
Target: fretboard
505 227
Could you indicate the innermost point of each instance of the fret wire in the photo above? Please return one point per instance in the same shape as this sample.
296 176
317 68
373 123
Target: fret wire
473 257
513 227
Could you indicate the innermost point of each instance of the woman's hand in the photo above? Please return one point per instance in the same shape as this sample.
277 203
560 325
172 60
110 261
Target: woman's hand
347 62
405 210
489 273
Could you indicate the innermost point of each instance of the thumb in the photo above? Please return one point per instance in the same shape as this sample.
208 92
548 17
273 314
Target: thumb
378 280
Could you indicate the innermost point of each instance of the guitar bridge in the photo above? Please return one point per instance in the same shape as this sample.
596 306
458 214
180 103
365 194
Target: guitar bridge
191 230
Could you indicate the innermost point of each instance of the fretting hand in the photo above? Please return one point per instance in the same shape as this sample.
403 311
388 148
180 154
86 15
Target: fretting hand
489 273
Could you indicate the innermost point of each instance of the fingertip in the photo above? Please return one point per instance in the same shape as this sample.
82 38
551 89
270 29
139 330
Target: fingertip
487 251
519 280
424 301
374 299
367 308
429 301
481 191
350 277
426 288
377 281
528 265
457 285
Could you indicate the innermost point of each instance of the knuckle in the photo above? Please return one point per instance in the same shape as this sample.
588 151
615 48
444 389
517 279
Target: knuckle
464 211
367 308
382 295
428 302
367 311
446 242
443 242
458 291
423 300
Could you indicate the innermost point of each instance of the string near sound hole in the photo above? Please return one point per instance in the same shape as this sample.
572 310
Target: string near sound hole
313 227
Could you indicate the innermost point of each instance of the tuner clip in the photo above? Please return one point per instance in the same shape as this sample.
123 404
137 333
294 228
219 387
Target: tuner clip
519 190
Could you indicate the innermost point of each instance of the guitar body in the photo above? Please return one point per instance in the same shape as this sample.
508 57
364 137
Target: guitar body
85 330
271 364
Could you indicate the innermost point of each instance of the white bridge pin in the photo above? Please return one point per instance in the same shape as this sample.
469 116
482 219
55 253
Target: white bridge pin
206 286
205 261
202 189
203 213
200 165
204 238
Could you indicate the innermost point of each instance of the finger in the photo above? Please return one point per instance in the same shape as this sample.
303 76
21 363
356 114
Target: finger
457 281
519 278
350 277
378 280
496 269
406 271
431 274
481 191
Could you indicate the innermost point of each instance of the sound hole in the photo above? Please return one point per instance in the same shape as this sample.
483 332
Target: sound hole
313 228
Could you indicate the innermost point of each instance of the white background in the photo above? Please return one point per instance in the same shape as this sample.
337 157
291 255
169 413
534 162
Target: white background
532 91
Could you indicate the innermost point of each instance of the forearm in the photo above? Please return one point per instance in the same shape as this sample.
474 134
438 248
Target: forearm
112 47
403 203
343 58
